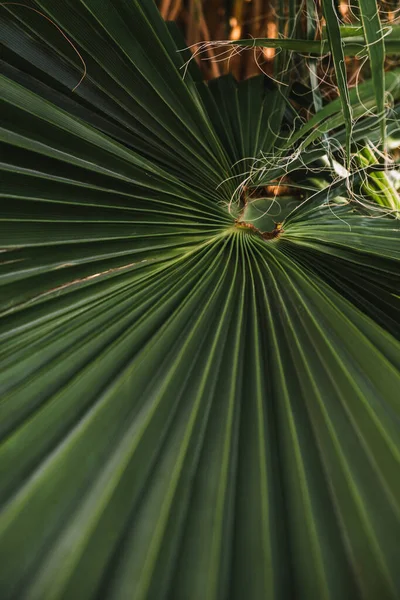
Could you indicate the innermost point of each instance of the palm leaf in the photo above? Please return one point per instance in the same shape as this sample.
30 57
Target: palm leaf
353 42
188 409
335 44
373 32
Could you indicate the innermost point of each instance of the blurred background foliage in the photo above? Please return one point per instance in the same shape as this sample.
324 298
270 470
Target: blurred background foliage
202 20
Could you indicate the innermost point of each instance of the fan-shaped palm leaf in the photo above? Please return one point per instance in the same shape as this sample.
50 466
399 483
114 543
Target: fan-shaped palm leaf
189 409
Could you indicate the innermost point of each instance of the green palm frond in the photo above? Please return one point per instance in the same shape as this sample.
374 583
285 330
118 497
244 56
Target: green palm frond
192 405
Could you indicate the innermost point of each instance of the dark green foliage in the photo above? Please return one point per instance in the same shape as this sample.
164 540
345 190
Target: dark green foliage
189 410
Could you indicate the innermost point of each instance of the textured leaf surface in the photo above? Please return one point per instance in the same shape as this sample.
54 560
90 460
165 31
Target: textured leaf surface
187 409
